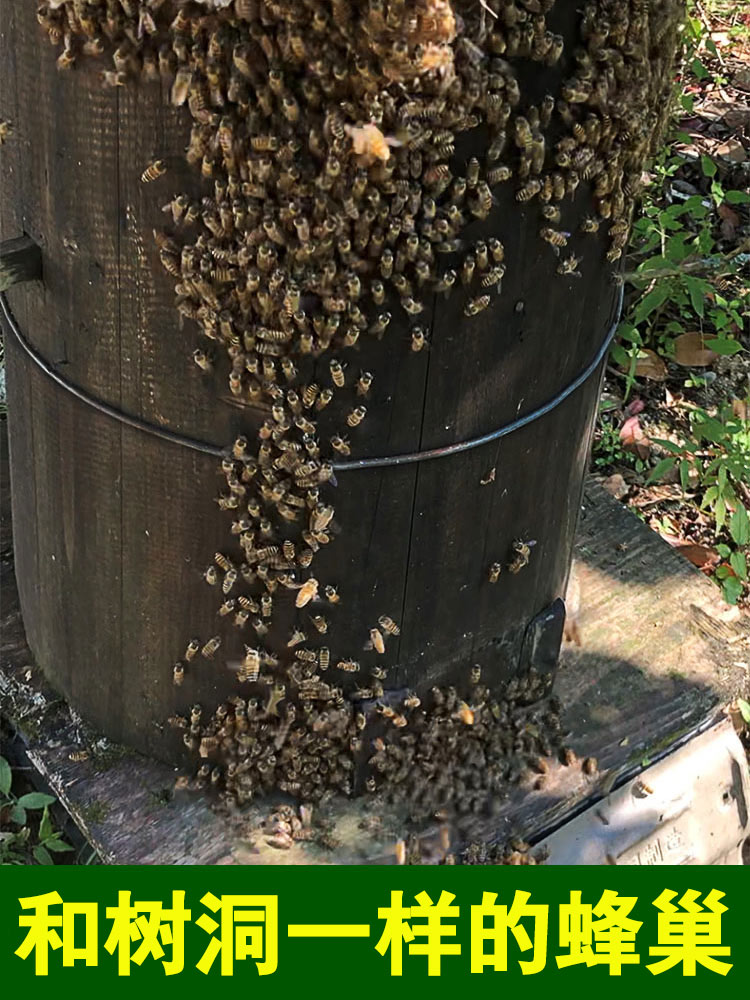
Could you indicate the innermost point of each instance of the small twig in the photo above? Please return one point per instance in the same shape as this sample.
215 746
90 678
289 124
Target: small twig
709 265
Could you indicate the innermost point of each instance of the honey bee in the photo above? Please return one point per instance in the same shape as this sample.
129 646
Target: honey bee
211 576
331 594
337 373
192 648
418 339
569 266
493 277
230 578
250 666
320 623
388 625
494 572
464 714
341 445
529 190
356 416
380 324
227 607
324 658
446 281
153 171
307 592
369 144
522 555
178 674
412 701
474 306
364 383
590 766
376 642
112 78
210 648
554 236
589 224
348 666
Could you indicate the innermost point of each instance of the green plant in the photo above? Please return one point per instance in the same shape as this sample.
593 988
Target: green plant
680 281
15 843
715 460
608 447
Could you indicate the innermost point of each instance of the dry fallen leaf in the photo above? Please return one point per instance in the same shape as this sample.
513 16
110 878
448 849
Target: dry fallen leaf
702 556
633 438
740 409
725 212
690 350
616 486
634 407
732 150
650 365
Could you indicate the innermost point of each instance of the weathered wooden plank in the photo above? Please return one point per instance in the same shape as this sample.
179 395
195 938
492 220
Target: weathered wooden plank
65 166
649 672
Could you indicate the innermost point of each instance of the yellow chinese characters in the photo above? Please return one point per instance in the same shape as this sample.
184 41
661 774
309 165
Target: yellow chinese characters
691 937
504 920
599 935
43 934
398 930
153 926
248 928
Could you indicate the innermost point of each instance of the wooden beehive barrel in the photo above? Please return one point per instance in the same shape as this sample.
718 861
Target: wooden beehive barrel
113 527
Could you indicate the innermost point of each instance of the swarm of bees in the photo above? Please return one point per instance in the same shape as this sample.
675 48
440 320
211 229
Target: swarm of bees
326 133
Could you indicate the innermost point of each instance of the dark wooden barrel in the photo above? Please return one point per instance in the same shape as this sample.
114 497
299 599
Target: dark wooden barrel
113 527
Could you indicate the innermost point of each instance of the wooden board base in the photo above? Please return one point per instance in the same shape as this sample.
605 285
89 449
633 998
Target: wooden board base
656 664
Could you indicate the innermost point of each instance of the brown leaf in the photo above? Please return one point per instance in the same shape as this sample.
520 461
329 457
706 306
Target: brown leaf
740 409
616 486
633 439
634 407
650 365
690 350
732 150
728 214
702 556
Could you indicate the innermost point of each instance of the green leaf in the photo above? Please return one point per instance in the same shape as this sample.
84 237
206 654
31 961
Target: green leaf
684 475
46 830
720 513
651 301
717 192
620 355
737 197
723 345
687 101
18 815
738 562
696 290
724 551
42 855
739 526
57 846
698 69
676 449
36 800
731 589
744 708
6 776
708 166
661 468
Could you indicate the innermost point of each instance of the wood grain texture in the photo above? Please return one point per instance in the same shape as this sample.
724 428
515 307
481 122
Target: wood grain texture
113 528
649 673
